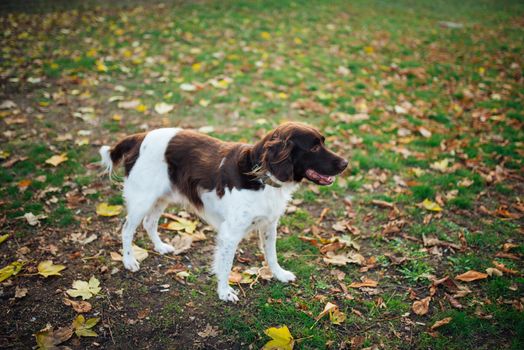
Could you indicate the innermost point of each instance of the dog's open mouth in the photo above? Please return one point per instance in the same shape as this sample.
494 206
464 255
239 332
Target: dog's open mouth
319 178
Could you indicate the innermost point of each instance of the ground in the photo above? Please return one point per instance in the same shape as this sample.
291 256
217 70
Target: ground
425 98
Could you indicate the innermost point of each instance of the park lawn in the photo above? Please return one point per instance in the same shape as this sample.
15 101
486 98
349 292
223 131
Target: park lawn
425 98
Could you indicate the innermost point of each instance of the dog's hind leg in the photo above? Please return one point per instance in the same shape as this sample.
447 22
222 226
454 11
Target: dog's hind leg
138 205
151 226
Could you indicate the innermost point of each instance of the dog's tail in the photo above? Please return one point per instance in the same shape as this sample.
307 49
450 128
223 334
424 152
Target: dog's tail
127 148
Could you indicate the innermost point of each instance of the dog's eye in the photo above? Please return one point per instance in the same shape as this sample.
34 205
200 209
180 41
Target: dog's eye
315 148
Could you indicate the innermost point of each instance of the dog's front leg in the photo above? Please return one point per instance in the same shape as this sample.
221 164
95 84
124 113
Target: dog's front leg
227 241
270 249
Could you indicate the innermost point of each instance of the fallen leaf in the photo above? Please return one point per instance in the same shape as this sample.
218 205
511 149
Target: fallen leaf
181 243
47 268
491 271
471 275
20 292
24 184
441 165
115 256
281 339
57 159
209 331
181 225
79 306
140 253
335 315
48 339
369 283
421 307
188 87
104 209
163 108
4 237
84 289
129 104
441 323
504 269
83 327
430 205
32 219
11 270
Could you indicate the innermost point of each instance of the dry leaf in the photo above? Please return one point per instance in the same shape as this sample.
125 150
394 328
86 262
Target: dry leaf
57 159
163 108
104 209
471 275
181 243
48 338
421 307
78 306
369 283
115 256
441 323
140 253
20 292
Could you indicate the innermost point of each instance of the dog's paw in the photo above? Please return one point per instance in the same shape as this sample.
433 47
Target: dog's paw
228 294
285 276
164 248
131 264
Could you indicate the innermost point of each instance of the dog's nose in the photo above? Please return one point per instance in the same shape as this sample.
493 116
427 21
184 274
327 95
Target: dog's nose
343 164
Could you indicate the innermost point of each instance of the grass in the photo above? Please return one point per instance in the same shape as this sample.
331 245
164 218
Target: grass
390 84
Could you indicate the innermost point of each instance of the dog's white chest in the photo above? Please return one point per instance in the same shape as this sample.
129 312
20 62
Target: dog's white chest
246 207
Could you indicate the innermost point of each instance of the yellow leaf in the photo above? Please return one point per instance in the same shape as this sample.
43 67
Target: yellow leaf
141 108
101 67
182 225
57 159
337 316
116 117
265 35
441 165
11 270
4 237
91 53
104 209
196 67
430 205
47 268
204 103
369 49
83 327
281 339
297 41
85 289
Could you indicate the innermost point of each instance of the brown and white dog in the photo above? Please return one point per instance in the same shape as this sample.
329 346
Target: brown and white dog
235 187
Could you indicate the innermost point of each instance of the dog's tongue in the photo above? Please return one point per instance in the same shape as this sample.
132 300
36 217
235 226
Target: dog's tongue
322 179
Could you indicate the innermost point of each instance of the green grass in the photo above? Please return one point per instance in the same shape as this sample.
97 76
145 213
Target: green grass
395 64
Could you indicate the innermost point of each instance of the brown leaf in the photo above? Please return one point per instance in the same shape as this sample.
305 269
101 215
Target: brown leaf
421 307
382 204
20 292
441 323
454 302
79 306
366 283
504 269
471 275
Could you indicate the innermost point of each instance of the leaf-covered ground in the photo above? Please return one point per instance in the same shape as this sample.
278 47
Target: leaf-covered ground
419 244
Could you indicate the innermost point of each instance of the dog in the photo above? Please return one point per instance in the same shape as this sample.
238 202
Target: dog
235 187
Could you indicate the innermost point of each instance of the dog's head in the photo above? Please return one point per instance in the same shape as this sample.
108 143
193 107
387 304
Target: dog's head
295 151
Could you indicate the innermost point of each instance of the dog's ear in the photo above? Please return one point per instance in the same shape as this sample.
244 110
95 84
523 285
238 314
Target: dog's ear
277 158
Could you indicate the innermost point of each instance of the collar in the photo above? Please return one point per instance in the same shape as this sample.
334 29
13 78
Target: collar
267 179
